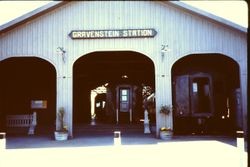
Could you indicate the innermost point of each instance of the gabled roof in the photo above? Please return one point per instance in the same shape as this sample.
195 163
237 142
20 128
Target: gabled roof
31 15
55 4
206 15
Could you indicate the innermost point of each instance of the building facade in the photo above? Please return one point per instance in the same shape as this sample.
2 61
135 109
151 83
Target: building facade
192 60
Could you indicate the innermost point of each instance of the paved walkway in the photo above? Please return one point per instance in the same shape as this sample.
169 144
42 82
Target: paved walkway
135 150
45 141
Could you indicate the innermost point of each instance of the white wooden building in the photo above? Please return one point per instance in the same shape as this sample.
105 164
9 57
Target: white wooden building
187 54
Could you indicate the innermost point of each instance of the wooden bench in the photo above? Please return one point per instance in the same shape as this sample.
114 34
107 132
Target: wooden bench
29 120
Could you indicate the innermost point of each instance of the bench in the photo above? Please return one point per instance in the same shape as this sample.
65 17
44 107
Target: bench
29 120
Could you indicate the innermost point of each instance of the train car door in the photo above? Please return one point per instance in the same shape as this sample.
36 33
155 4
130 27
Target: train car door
192 100
181 96
181 104
124 104
201 95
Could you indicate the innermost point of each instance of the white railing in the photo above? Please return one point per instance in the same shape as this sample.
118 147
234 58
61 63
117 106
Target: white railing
22 121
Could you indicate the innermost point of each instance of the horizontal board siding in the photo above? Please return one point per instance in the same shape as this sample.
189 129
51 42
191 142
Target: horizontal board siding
183 32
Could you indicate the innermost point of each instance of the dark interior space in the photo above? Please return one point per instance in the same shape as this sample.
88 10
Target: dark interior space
24 79
112 68
204 89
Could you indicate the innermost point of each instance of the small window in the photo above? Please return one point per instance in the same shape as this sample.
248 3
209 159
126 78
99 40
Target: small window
195 87
124 92
124 95
201 85
124 98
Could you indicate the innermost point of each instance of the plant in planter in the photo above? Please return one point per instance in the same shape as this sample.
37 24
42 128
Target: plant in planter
166 109
166 133
62 132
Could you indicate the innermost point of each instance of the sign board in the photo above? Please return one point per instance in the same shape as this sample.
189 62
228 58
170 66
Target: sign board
121 33
38 104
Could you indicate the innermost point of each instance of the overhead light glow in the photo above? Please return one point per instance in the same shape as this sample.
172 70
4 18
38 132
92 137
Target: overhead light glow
124 76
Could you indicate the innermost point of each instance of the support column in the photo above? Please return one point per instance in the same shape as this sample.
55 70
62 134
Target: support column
163 97
163 89
65 91
64 99
243 80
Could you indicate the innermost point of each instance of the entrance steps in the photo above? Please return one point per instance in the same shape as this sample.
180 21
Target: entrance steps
83 129
109 129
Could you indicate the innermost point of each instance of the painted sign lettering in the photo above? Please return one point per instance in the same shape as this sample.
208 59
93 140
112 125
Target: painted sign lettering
126 33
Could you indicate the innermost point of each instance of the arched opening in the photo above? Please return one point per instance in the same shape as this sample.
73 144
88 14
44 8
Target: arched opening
28 84
206 94
115 81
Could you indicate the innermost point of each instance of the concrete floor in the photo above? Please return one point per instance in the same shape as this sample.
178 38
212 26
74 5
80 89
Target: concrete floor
135 150
87 140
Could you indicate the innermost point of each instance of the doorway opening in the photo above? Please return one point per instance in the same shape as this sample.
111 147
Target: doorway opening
28 84
205 95
107 87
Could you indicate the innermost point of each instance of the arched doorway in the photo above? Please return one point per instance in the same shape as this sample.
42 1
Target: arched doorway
117 79
205 94
26 81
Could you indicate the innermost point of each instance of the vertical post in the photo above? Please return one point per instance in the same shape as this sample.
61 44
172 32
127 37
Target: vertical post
130 94
146 122
117 117
240 140
64 99
240 146
2 141
34 122
64 90
130 115
117 138
117 104
163 97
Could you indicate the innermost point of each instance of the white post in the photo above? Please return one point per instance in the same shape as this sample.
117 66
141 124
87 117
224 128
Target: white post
2 141
33 124
146 122
64 99
64 90
163 97
117 138
240 146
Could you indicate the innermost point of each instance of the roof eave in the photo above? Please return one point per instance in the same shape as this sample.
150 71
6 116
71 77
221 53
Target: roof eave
207 15
55 4
31 15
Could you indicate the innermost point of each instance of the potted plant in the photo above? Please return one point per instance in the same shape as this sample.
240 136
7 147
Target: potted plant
62 132
166 133
166 109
